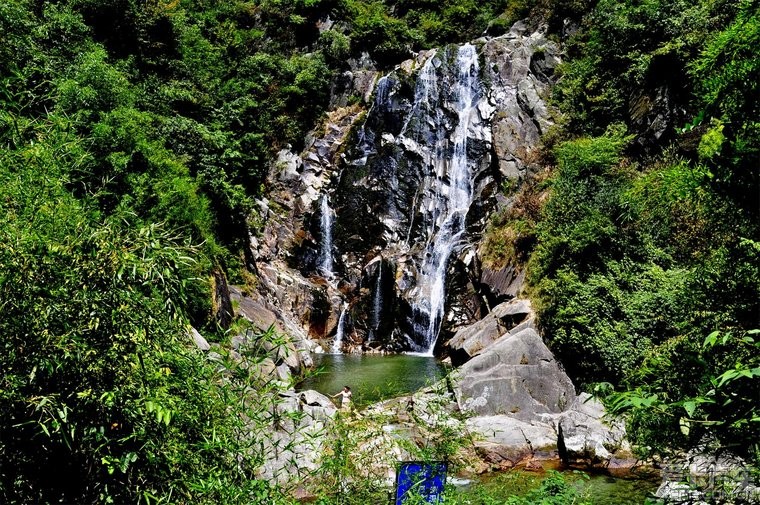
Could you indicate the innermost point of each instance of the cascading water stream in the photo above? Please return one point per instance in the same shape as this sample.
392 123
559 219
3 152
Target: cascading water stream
382 95
452 196
338 341
425 95
377 307
325 228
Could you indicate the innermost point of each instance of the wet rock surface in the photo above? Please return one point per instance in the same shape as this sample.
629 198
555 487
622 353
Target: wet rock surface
371 242
387 169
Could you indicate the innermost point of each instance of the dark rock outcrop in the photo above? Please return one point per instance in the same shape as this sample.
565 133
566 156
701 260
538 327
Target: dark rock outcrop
504 283
385 167
221 302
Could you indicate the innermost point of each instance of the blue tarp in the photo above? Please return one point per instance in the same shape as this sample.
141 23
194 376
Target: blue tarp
424 479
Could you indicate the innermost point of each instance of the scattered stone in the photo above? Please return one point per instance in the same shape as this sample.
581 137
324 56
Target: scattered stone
198 339
702 476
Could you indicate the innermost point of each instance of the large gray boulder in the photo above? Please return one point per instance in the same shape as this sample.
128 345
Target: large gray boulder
524 405
471 340
586 436
293 443
504 441
516 375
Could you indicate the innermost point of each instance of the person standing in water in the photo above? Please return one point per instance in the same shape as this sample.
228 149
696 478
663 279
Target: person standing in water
345 394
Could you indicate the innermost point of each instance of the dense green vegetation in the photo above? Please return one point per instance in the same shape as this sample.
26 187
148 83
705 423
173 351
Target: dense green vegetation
135 136
101 398
650 238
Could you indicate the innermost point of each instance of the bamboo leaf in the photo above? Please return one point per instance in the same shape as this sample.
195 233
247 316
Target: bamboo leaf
690 407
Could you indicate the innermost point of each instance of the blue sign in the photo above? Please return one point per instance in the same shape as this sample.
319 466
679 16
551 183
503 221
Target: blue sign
422 480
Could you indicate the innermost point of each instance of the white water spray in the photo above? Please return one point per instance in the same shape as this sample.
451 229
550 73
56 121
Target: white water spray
325 228
378 302
446 211
338 341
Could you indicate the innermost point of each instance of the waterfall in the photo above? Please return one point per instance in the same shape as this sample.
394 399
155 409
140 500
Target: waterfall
325 227
425 96
366 143
382 92
446 209
338 341
378 302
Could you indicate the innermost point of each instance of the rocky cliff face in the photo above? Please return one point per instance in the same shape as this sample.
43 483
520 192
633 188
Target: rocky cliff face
379 218
372 235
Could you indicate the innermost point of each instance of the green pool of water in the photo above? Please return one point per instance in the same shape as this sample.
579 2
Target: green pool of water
595 489
372 377
604 490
